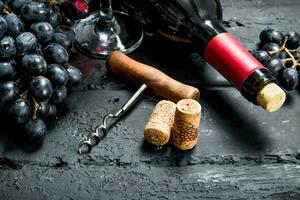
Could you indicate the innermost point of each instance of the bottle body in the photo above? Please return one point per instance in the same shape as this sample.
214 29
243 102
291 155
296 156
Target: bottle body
200 23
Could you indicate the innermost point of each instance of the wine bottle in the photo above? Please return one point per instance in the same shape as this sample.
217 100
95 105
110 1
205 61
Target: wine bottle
199 22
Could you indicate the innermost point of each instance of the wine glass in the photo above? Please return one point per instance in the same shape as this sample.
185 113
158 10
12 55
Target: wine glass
106 31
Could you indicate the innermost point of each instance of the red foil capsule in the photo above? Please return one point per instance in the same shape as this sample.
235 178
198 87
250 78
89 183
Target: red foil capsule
231 59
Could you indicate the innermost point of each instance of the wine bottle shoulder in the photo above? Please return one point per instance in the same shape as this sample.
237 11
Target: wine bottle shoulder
173 16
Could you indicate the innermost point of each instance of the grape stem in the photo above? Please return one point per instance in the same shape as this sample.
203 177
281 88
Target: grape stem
284 43
6 10
295 62
289 52
19 80
36 108
53 2
24 95
282 48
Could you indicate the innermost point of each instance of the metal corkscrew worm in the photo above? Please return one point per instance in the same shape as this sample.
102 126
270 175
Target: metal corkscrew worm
100 131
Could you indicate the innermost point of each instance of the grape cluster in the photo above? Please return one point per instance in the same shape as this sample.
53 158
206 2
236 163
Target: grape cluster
280 53
35 75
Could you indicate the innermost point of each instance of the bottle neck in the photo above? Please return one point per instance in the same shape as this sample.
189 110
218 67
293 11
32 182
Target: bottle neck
204 32
255 82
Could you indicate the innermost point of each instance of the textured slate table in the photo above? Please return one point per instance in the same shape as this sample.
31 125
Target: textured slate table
243 152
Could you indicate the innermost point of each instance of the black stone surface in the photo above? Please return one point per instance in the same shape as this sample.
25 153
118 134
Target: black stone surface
243 152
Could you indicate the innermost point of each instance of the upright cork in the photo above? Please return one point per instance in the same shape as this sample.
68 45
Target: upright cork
186 124
159 126
271 97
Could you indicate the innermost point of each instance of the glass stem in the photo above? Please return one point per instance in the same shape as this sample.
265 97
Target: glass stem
106 12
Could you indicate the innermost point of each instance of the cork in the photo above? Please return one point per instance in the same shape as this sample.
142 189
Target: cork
186 124
158 128
271 97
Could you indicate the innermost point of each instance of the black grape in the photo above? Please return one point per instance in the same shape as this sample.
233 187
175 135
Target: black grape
296 55
9 91
55 17
271 36
43 110
271 47
35 132
59 95
41 88
281 55
20 111
75 76
43 31
8 70
57 74
293 41
26 42
34 64
63 40
7 47
275 65
261 56
289 79
35 11
52 113
1 5
55 53
16 5
14 24
3 26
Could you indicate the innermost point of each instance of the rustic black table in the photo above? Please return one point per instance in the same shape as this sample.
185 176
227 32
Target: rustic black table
243 152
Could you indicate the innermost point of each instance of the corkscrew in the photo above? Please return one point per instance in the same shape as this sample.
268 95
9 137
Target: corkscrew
101 130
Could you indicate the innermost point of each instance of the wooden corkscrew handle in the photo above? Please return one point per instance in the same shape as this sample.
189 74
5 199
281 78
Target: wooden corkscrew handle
156 81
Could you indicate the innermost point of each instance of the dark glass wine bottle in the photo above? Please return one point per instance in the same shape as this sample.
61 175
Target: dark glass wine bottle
199 22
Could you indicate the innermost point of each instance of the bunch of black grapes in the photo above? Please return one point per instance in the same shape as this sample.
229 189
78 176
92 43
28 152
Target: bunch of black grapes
280 53
35 75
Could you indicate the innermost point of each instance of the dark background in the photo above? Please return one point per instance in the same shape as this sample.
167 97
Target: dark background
243 151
